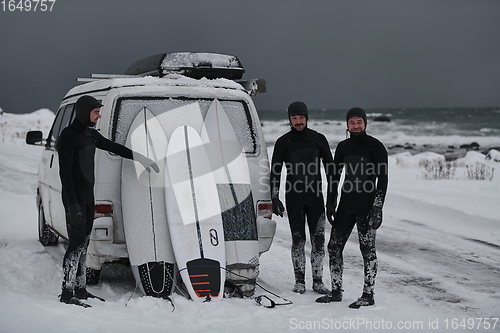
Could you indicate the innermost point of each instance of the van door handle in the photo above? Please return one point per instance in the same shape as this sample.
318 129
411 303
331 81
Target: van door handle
51 160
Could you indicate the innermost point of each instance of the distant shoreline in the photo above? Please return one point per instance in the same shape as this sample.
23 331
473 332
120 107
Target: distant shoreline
450 153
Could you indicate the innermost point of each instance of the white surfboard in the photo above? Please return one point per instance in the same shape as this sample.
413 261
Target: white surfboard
232 176
143 206
194 216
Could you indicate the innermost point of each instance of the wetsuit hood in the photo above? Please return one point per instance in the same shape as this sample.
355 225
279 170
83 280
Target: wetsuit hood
78 127
83 106
356 112
358 136
297 108
301 134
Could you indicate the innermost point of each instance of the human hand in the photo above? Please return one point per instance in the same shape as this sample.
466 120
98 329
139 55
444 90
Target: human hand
76 215
278 207
147 163
330 212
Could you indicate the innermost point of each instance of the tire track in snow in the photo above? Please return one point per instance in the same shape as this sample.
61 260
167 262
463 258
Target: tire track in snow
439 269
429 265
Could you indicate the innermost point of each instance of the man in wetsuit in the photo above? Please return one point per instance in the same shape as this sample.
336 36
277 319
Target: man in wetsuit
76 147
302 149
364 160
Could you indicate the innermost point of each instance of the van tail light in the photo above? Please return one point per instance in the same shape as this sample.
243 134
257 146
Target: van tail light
103 209
265 209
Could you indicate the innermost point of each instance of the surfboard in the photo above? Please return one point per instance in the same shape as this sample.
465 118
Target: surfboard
232 177
143 207
194 216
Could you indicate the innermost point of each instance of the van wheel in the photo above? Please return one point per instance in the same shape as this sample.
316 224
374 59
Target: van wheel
45 235
93 276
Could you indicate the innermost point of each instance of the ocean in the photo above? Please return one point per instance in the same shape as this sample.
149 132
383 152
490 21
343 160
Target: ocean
449 131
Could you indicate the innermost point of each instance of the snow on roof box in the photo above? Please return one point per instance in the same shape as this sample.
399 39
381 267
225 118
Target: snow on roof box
192 64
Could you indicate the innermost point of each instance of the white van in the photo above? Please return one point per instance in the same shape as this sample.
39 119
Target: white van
167 84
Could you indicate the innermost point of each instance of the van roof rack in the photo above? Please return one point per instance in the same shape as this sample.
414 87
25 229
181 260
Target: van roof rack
191 64
97 77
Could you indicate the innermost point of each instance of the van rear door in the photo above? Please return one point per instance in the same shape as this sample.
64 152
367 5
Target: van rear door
51 171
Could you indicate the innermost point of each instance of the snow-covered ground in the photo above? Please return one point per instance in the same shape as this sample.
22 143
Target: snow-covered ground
439 252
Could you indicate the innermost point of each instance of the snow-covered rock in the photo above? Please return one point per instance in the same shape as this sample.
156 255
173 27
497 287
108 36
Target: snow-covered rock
493 155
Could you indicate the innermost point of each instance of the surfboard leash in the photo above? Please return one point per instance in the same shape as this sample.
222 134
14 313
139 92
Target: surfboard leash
179 287
259 299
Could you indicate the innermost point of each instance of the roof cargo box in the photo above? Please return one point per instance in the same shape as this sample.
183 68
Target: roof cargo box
192 64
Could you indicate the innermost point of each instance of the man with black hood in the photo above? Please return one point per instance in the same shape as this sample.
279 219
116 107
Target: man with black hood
364 161
76 147
302 150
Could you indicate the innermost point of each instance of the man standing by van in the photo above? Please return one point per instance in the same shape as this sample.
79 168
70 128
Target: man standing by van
302 149
76 147
364 160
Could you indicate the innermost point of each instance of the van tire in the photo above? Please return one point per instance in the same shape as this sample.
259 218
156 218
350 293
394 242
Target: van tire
93 275
46 236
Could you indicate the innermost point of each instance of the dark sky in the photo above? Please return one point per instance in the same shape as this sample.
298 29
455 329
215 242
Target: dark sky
327 53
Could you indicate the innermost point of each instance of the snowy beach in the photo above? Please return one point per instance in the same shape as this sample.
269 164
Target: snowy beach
438 250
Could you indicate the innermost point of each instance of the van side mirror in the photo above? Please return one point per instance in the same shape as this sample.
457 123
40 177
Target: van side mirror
254 87
34 138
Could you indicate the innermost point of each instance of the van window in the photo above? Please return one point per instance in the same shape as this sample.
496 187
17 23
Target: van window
185 111
241 119
63 118
235 199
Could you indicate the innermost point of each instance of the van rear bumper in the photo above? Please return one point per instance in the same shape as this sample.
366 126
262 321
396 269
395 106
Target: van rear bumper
266 228
101 247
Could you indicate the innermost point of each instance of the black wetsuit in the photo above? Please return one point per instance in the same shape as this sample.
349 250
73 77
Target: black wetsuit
76 147
302 152
364 159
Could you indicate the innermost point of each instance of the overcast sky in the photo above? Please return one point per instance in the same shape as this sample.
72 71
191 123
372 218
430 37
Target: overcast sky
327 53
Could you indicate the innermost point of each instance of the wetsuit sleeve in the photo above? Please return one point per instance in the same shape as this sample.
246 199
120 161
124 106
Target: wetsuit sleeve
336 172
327 159
276 166
105 144
382 166
66 147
